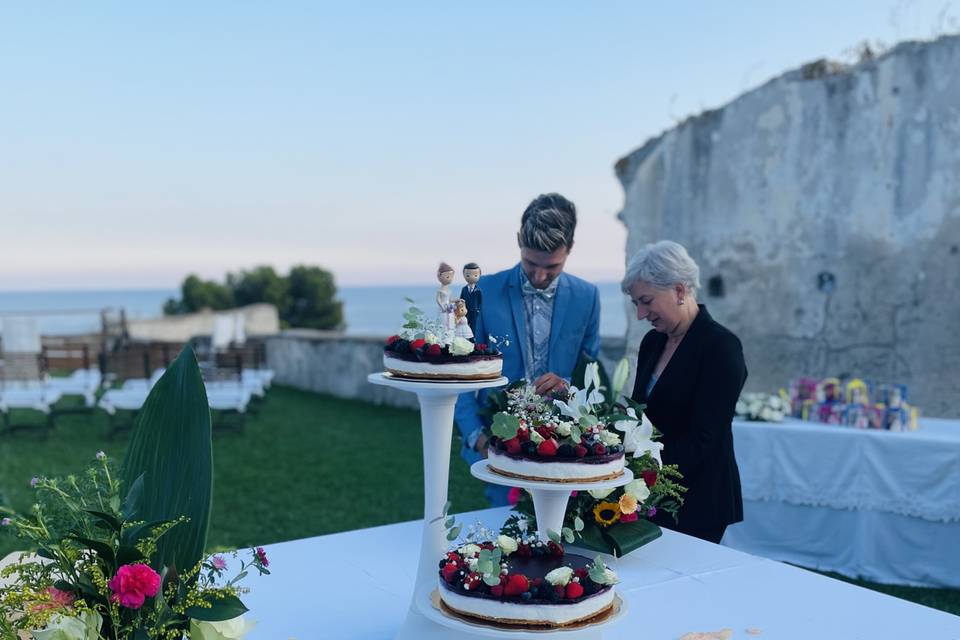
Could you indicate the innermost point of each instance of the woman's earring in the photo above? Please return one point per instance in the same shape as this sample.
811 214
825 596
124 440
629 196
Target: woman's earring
680 301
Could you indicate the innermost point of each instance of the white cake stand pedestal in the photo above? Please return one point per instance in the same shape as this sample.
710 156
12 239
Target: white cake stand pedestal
549 498
437 402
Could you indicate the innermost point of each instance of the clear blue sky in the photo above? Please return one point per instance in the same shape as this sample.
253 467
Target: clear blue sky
140 142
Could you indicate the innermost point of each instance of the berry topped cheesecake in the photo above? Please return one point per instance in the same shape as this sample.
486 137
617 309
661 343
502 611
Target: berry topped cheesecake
536 440
525 583
429 358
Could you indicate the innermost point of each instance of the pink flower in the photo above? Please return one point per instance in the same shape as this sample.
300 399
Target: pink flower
218 563
573 494
58 600
628 517
133 583
513 496
652 511
262 557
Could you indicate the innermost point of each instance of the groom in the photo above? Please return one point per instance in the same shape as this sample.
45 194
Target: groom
549 317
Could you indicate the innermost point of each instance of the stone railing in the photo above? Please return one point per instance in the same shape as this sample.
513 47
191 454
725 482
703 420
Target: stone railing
338 364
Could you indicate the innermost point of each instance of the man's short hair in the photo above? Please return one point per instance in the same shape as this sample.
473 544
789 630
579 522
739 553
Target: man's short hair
548 223
471 265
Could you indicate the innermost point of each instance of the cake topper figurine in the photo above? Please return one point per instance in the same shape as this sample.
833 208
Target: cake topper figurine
462 327
471 294
445 276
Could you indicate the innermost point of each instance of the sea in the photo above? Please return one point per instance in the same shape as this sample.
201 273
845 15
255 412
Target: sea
367 310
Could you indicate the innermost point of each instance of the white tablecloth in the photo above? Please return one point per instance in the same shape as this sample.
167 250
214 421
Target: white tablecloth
877 504
359 584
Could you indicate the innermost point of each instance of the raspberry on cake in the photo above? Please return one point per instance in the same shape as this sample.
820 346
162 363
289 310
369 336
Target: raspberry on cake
544 588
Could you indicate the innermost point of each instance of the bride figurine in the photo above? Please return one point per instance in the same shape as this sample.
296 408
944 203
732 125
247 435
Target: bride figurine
445 276
462 327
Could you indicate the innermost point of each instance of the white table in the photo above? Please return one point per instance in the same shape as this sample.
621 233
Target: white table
878 504
358 584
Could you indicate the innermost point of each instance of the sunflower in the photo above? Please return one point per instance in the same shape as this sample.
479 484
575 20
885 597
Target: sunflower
606 513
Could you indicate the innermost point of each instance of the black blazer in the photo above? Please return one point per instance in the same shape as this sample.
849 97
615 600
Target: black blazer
692 405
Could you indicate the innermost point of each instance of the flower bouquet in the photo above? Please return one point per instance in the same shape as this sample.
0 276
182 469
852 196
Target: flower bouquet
765 407
614 521
119 553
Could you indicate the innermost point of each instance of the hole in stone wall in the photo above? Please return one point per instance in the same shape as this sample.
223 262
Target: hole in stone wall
826 281
715 287
954 250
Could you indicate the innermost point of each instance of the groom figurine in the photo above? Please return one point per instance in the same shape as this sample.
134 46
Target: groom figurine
549 317
471 294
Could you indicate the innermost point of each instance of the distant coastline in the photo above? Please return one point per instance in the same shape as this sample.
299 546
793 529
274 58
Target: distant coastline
368 310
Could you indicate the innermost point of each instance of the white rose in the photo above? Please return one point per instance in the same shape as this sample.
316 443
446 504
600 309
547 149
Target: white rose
507 544
638 489
559 576
609 577
430 338
86 626
564 428
461 346
233 629
609 438
469 550
600 494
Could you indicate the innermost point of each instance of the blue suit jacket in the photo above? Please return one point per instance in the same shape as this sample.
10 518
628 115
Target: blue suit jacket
575 329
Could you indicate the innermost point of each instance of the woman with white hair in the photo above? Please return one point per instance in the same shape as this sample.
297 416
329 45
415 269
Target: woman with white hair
690 371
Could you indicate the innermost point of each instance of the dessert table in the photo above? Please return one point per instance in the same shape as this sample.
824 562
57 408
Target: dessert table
878 504
358 585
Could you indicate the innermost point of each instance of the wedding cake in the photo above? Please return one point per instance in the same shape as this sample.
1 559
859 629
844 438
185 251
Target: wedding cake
526 584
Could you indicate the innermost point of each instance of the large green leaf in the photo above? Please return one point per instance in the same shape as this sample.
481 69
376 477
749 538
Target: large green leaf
171 447
629 536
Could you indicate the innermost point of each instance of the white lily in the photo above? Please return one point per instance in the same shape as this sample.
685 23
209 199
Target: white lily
638 436
580 402
620 377
591 376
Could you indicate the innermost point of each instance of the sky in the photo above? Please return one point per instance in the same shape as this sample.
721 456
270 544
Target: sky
140 142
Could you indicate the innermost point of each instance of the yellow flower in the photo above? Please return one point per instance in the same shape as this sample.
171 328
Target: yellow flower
606 513
628 504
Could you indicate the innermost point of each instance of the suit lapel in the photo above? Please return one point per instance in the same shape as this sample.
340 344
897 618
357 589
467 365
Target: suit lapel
519 317
561 301
643 374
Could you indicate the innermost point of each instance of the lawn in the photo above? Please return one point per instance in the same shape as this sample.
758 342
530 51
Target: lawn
305 465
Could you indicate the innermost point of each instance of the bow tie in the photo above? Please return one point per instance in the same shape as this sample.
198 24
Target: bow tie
544 294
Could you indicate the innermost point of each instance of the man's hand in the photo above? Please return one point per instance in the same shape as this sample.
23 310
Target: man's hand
481 445
549 383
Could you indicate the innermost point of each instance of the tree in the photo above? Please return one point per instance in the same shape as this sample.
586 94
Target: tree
313 302
305 298
199 294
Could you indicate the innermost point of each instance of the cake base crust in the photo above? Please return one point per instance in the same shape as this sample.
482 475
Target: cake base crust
506 623
441 377
609 476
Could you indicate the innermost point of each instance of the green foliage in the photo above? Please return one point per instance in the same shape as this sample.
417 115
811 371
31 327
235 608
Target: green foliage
505 426
171 449
306 297
197 294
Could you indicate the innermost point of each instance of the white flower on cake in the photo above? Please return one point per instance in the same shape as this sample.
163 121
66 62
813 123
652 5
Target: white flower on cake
638 489
600 494
461 346
609 438
564 428
559 577
468 550
430 338
507 544
638 436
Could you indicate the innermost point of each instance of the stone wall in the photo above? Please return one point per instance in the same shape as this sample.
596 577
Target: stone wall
824 211
338 364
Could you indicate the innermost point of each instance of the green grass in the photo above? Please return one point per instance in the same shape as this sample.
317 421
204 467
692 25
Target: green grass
305 465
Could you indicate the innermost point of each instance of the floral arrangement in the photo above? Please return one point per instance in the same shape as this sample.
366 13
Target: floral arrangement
91 576
426 339
585 421
765 407
478 565
119 553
